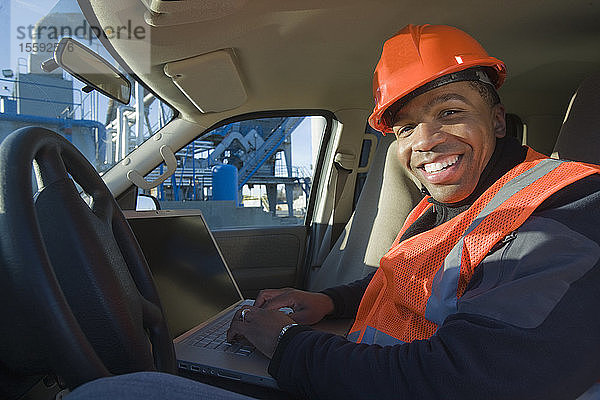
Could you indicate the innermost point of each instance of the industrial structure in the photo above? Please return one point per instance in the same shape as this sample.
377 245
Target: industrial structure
215 167
221 163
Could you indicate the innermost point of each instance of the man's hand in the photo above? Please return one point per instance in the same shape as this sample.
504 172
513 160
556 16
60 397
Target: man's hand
308 308
259 326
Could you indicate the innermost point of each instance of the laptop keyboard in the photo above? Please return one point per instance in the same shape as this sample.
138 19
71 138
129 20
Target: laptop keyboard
215 337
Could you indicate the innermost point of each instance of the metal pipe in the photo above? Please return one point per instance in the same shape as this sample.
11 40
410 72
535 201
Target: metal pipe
54 121
139 114
149 99
121 152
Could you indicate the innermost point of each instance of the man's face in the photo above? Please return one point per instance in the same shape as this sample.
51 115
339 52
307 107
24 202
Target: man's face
446 137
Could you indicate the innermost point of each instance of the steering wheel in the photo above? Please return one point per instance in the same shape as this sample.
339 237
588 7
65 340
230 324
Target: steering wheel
76 295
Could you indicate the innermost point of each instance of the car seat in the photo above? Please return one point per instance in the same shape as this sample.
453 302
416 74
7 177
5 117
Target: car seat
388 195
578 139
514 126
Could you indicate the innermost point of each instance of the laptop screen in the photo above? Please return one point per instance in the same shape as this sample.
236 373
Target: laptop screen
191 277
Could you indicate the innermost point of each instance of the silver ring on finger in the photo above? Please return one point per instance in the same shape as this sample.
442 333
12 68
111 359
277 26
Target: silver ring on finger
244 311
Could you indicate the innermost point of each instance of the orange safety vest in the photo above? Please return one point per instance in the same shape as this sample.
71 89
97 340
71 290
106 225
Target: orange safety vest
404 302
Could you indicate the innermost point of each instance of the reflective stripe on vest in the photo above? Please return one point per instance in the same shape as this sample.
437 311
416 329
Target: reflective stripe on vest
420 280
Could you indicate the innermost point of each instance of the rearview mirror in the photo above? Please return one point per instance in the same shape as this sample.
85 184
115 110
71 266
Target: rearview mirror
91 69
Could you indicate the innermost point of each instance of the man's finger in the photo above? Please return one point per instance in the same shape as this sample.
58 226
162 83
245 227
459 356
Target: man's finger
237 324
241 310
283 300
237 316
265 295
235 330
247 313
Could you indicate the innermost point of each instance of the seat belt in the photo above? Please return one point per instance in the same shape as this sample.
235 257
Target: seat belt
342 163
328 237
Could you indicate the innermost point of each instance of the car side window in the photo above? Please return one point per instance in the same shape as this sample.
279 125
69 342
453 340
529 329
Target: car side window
249 173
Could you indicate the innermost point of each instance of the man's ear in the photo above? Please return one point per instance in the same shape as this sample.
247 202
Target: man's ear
499 120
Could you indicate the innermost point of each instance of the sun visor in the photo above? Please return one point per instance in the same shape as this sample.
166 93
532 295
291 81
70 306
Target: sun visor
210 81
179 12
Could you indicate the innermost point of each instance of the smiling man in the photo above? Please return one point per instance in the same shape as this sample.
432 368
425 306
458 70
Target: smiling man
490 289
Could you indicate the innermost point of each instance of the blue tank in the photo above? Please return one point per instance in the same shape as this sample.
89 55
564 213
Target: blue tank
224 182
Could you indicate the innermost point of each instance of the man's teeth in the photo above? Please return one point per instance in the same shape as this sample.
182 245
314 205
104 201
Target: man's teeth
435 167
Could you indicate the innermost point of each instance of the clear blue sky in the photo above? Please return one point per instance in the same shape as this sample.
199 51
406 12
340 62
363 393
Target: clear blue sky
301 144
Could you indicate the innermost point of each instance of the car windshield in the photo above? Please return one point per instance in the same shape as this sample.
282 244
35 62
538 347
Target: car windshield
104 130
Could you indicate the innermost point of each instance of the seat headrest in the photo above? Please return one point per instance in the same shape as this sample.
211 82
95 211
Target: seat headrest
579 137
514 126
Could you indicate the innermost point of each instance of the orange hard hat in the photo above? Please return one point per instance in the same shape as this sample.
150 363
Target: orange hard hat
419 54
